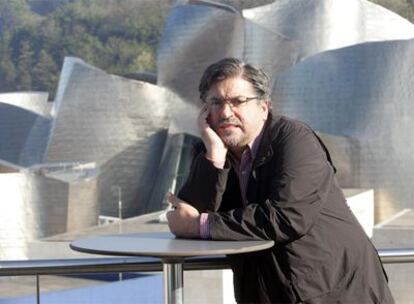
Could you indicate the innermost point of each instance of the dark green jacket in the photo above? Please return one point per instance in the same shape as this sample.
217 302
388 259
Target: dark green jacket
321 253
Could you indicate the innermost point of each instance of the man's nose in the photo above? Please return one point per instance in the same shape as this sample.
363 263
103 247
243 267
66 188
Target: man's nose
226 110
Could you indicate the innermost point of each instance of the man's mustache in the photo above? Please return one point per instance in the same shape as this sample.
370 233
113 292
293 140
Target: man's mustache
229 121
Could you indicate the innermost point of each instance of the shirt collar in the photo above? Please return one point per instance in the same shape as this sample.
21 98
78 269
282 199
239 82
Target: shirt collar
253 146
255 143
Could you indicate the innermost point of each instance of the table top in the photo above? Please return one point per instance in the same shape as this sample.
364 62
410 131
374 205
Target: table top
163 245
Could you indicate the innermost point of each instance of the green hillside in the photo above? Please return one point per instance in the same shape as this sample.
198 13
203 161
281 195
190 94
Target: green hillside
118 36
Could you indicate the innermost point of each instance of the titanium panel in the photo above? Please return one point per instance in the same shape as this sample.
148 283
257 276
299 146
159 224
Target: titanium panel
345 153
269 50
31 101
321 25
119 124
15 126
34 149
364 92
22 116
195 36
34 206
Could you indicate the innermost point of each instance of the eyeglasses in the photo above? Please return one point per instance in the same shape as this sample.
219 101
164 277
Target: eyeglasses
216 103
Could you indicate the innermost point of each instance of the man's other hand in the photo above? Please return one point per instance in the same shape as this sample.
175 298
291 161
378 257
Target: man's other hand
183 219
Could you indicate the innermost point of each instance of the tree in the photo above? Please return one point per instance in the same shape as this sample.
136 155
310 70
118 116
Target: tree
7 74
24 66
45 73
11 13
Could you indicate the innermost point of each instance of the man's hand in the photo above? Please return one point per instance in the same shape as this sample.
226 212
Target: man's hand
216 149
184 219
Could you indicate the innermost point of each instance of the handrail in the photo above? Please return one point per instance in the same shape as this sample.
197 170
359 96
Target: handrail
144 264
396 255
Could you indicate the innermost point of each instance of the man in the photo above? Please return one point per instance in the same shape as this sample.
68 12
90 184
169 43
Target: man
259 176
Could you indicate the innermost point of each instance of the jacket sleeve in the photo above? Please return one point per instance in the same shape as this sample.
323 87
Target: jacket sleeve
205 184
298 188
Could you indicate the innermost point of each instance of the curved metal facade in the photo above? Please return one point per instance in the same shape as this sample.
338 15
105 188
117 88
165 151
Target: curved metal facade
364 92
274 36
346 69
320 25
119 124
22 116
34 206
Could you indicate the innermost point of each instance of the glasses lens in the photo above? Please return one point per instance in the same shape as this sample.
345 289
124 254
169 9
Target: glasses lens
237 101
214 102
218 103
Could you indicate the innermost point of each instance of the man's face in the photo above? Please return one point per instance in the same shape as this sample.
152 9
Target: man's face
238 125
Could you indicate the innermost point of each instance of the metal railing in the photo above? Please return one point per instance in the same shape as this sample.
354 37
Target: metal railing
396 255
143 264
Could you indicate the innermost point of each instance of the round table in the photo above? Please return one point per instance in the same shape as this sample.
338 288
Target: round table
171 250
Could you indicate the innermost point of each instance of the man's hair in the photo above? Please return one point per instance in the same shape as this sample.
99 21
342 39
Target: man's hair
233 67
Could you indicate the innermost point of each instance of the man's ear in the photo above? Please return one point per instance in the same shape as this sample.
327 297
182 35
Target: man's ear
265 106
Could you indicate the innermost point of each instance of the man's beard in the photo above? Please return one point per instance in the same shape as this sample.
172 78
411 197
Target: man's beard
233 138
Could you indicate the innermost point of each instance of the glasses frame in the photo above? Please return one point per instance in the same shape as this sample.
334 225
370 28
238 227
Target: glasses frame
232 105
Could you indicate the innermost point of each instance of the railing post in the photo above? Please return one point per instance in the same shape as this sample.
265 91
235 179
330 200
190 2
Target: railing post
37 289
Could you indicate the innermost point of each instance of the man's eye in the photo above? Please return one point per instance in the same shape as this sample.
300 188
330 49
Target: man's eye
237 101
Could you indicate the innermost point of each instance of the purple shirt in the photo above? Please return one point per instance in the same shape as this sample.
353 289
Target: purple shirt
243 170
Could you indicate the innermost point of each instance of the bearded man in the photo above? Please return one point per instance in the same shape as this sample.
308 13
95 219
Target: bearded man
259 176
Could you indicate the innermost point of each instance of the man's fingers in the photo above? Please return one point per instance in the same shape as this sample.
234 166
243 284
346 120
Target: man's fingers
204 110
202 117
173 200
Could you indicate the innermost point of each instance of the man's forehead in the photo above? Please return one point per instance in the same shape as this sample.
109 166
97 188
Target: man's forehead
231 87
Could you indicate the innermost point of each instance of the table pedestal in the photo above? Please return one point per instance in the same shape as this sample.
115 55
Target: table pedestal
173 281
